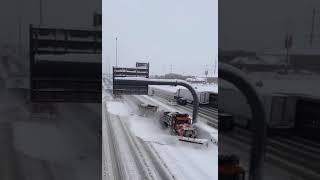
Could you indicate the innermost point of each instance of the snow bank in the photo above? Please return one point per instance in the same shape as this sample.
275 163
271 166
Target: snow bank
118 108
45 141
207 132
190 161
148 129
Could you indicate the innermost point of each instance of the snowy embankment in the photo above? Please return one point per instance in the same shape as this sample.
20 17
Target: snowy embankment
183 160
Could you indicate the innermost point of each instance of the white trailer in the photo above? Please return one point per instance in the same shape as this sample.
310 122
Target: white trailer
167 92
280 108
202 95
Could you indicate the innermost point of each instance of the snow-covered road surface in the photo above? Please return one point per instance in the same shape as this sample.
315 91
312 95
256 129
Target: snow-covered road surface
132 158
185 160
161 155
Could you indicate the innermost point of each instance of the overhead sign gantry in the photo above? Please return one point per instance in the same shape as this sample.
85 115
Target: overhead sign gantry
140 71
69 80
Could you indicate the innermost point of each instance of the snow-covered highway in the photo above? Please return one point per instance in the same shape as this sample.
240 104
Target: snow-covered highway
136 147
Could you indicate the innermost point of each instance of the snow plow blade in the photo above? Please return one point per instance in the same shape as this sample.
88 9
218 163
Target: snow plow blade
193 140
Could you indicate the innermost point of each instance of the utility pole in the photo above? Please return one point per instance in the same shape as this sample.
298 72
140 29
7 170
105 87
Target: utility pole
206 71
116 51
19 35
288 46
215 68
40 11
312 25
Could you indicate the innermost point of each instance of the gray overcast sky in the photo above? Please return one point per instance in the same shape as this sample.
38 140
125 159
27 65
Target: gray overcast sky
181 33
271 20
61 13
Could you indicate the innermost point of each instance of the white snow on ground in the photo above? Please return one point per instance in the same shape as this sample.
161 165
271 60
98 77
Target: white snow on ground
186 161
181 157
190 162
149 129
68 143
161 104
118 108
44 142
207 132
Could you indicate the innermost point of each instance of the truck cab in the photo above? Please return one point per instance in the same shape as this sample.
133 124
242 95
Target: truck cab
182 125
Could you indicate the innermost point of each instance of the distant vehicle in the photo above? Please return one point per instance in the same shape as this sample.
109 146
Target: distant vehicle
147 109
173 94
172 102
182 101
181 125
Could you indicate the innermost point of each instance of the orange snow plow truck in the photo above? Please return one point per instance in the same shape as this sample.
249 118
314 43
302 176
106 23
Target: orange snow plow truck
181 125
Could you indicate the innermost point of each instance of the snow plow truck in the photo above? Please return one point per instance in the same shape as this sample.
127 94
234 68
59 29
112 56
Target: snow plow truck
181 126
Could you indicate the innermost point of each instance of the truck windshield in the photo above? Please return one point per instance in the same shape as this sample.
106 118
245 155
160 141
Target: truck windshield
183 122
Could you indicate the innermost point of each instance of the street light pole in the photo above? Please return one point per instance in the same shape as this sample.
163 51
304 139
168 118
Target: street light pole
40 11
116 51
19 35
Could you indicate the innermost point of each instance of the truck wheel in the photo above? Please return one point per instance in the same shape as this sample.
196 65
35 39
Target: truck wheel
172 132
164 126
